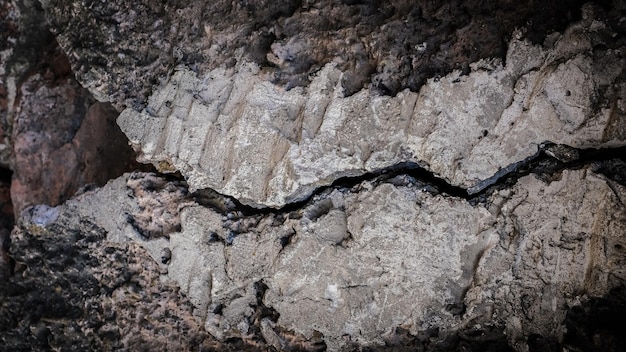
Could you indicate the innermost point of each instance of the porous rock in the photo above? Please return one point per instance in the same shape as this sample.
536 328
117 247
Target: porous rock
392 45
74 290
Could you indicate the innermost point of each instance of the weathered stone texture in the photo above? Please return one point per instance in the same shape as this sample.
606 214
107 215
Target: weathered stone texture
72 290
59 127
392 45
53 135
476 215
201 94
356 264
15 60
232 131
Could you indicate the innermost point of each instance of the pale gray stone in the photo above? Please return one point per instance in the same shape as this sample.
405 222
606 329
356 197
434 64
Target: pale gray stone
411 259
233 131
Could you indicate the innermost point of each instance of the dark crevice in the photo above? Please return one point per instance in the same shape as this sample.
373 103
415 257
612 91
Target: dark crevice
597 324
547 164
7 220
5 175
549 168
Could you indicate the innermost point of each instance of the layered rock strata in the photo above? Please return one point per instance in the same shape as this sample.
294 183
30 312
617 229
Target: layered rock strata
231 129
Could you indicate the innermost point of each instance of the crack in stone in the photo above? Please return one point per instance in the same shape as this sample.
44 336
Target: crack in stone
545 164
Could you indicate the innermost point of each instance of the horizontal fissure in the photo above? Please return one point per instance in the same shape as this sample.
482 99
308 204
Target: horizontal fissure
549 160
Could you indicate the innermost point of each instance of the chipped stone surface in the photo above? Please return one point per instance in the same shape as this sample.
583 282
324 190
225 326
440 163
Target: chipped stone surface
235 132
356 264
503 252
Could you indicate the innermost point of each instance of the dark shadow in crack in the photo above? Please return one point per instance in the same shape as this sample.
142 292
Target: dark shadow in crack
547 164
598 324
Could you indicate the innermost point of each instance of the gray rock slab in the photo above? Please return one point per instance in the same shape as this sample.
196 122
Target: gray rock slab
233 131
360 262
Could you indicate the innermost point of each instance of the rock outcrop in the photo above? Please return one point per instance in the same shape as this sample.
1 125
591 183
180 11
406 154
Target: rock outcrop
353 267
228 127
55 137
342 176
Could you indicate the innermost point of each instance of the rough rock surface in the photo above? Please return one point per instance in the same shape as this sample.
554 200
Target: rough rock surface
74 291
347 176
233 131
59 127
54 136
356 266
208 104
393 45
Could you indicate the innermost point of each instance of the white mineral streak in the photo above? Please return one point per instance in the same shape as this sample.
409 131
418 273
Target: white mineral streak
234 132
408 259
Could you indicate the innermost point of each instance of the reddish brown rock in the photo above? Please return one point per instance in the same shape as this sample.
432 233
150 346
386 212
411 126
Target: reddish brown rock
61 137
62 140
54 136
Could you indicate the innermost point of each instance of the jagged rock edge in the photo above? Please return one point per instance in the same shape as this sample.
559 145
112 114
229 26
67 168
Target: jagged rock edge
503 179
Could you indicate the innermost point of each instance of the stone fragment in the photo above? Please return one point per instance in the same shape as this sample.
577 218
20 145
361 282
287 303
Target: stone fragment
255 101
159 205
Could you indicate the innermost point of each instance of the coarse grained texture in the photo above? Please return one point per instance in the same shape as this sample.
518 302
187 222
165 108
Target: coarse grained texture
392 45
566 236
54 136
74 290
233 131
257 100
62 140
357 266
23 40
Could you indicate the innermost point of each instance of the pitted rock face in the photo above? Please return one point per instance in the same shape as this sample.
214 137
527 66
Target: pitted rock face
454 234
217 101
74 290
